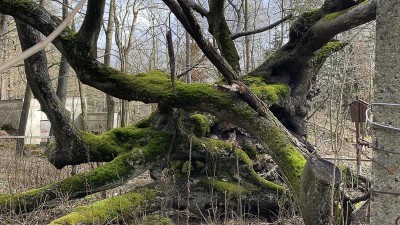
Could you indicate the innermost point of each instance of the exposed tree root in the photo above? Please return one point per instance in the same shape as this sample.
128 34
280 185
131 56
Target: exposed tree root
114 209
112 174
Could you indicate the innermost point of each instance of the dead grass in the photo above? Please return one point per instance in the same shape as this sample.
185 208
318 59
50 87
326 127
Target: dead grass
342 149
32 171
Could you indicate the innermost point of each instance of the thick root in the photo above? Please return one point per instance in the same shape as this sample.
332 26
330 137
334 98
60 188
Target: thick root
105 177
113 174
104 147
119 208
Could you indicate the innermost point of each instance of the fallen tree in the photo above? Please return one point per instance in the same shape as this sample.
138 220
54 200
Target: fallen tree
269 104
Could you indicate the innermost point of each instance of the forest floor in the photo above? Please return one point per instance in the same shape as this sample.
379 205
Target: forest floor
33 170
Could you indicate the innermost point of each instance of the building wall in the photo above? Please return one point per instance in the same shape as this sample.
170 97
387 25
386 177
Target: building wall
38 126
10 111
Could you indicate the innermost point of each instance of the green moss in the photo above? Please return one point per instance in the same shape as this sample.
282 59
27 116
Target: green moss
312 16
216 146
26 200
146 122
228 187
185 167
228 48
254 80
156 219
256 178
334 15
329 48
71 36
176 168
155 86
194 167
221 31
111 209
119 140
201 124
288 158
304 22
176 165
203 95
118 170
226 168
250 149
121 168
270 93
358 205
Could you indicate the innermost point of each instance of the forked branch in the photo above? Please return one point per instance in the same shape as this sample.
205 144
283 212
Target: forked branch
259 30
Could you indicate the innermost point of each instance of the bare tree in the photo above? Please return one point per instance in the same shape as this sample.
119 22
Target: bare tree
124 42
107 61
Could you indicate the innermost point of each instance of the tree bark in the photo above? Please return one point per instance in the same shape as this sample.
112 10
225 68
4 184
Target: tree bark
226 102
63 72
69 140
246 38
23 121
91 26
319 187
188 57
385 195
219 28
107 61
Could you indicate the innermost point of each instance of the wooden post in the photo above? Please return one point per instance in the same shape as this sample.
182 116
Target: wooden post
357 112
358 148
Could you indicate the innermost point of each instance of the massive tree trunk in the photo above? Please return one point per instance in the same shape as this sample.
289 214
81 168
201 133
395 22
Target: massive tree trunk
386 164
173 140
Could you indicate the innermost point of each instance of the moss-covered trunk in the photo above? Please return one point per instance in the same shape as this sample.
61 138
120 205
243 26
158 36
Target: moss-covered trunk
166 145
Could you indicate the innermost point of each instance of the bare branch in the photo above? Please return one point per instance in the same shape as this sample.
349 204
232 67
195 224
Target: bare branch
238 11
184 14
334 23
198 8
42 44
219 28
259 30
171 55
38 79
91 26
191 68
